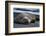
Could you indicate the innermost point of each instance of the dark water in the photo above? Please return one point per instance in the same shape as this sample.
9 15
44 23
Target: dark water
36 24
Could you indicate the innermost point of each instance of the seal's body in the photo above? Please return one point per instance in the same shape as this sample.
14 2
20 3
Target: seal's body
24 18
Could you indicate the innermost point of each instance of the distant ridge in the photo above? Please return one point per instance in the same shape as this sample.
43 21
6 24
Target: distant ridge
26 9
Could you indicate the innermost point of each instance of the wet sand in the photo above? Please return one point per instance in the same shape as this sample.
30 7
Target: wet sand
36 24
